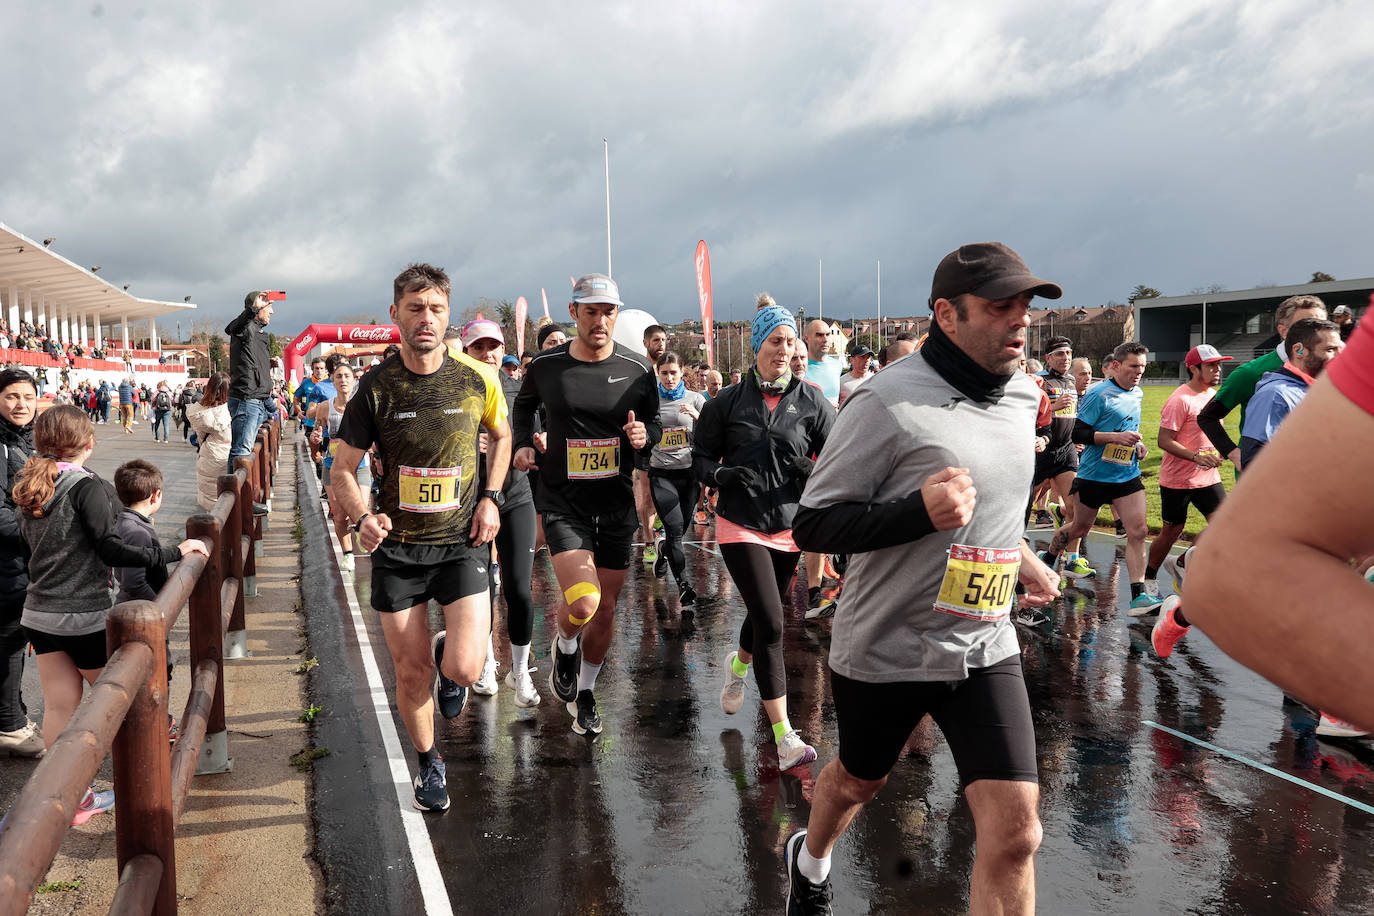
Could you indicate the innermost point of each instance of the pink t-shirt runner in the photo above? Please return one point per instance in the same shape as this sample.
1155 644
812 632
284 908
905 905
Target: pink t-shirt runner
727 532
1353 371
1180 415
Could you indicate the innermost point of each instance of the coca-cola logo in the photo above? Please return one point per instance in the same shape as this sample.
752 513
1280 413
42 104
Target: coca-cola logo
305 343
379 333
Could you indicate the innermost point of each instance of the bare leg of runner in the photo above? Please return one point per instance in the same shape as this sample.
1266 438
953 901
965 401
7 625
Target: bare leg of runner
468 621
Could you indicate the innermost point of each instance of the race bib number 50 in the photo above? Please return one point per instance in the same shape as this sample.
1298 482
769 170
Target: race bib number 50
430 489
979 583
593 459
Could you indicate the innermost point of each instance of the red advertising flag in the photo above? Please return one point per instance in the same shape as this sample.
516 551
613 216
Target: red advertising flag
546 303
522 311
703 260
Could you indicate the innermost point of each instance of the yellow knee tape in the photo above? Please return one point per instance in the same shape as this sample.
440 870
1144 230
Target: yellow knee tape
577 592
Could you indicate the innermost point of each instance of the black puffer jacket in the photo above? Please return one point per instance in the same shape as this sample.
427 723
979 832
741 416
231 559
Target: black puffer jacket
249 364
16 445
737 429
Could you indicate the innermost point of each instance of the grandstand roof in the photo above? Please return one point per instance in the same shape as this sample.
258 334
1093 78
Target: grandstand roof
31 267
1263 292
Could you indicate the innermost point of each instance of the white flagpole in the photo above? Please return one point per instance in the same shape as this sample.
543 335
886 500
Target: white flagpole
880 303
820 290
607 148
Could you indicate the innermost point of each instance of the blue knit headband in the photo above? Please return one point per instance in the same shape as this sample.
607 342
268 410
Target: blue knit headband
766 320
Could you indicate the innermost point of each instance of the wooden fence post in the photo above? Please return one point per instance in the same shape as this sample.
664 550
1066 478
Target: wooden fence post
207 638
142 759
231 542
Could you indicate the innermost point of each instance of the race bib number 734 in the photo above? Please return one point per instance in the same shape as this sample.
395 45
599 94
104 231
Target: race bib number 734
979 583
593 459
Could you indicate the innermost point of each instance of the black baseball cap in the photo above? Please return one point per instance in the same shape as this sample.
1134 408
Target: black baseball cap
860 349
987 269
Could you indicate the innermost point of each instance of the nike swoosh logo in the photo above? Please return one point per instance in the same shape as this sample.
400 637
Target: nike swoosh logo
612 379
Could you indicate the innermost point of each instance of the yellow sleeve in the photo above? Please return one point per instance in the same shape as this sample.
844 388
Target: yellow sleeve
494 410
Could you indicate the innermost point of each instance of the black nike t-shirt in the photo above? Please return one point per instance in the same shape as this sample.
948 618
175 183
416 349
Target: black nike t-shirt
588 468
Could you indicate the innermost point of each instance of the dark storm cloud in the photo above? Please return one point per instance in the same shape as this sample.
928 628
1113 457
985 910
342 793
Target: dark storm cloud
210 149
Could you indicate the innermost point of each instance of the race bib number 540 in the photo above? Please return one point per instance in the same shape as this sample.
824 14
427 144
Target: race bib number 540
979 583
430 489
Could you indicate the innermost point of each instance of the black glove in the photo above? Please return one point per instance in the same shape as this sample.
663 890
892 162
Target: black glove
736 476
801 466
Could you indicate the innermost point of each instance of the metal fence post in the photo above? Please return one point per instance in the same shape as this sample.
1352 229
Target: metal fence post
207 635
142 759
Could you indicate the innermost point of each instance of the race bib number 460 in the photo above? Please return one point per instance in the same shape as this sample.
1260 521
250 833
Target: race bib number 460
1124 455
593 459
673 437
979 583
430 489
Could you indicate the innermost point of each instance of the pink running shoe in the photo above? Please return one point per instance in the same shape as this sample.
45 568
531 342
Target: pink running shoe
1331 727
1167 632
92 804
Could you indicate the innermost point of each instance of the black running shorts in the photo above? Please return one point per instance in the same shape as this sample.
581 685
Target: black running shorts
407 575
609 537
1173 503
86 652
1095 495
985 718
1050 463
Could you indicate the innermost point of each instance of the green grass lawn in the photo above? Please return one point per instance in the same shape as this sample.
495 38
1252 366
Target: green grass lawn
1155 396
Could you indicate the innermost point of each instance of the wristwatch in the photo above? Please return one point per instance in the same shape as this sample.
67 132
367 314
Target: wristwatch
495 496
357 526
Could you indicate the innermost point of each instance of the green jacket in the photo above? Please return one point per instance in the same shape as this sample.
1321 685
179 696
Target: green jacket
1239 386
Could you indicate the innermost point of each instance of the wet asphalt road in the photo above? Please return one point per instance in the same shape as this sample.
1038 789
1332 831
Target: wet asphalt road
679 808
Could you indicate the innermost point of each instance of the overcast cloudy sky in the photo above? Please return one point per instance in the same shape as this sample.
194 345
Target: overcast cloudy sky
206 149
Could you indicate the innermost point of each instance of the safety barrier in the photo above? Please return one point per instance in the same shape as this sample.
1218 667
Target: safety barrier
125 711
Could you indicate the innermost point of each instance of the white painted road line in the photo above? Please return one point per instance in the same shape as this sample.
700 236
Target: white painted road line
417 834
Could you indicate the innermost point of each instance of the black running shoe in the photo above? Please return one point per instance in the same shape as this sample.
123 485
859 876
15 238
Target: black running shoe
803 897
448 696
563 677
686 595
661 561
585 718
431 793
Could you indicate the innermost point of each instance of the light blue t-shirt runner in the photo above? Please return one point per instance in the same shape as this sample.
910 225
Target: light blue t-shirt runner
825 372
1109 408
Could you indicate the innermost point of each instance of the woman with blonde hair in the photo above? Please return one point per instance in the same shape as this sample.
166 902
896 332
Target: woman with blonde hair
67 520
211 422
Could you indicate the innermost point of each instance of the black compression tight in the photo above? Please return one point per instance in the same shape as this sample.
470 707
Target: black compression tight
515 548
760 574
675 497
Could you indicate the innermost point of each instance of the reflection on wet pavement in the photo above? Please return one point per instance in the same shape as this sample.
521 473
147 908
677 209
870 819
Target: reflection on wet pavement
679 808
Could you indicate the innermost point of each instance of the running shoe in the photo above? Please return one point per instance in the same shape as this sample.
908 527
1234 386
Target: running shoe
661 561
822 610
1173 567
448 695
650 555
173 729
585 718
1057 512
1167 632
701 518
487 684
1143 604
1120 528
496 575
1331 727
92 803
22 742
431 792
793 751
686 596
563 677
1078 568
1029 617
732 694
347 564
523 685
1042 519
803 897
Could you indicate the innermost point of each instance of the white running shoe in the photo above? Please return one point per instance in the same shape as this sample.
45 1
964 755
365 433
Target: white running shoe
523 685
347 564
732 694
793 751
1331 727
487 684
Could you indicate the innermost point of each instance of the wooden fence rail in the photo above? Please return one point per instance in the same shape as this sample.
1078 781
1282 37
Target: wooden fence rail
125 711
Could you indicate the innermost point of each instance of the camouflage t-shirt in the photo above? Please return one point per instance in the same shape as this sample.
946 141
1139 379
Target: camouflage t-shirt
425 428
